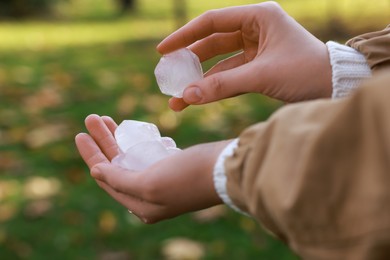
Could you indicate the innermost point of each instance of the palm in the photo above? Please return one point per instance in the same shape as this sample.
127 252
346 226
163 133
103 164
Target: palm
151 194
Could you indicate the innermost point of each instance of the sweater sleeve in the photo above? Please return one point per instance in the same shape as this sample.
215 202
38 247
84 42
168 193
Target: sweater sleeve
349 68
220 177
355 61
316 174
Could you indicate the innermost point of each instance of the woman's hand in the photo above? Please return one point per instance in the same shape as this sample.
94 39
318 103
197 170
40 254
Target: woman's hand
178 184
276 55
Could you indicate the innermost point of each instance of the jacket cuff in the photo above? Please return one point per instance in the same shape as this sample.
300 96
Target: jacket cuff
349 68
220 177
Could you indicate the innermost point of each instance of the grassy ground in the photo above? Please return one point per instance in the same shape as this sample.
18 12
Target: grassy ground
50 208
52 75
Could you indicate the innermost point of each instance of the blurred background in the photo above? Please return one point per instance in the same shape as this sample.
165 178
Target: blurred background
63 60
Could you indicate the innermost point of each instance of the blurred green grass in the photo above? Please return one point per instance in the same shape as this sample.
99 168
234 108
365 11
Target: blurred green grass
53 73
83 23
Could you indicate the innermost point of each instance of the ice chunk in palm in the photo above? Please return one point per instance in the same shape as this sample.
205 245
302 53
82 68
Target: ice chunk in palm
132 132
142 155
141 145
176 70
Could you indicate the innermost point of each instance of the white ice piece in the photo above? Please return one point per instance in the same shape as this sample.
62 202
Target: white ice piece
176 70
141 145
132 132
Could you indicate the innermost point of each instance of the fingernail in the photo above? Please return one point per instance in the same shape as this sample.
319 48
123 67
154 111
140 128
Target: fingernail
193 95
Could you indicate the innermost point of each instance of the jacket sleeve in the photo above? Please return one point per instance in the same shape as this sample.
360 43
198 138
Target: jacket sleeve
317 174
375 46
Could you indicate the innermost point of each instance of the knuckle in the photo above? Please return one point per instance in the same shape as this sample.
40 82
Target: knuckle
115 187
209 14
217 41
208 18
189 38
216 85
109 180
94 159
270 7
108 140
151 191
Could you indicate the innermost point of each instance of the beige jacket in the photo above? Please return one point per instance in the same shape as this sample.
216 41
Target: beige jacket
317 174
375 46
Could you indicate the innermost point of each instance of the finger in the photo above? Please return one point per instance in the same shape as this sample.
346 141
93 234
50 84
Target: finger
177 104
114 181
217 44
128 189
119 179
102 135
144 210
223 85
192 96
214 21
89 150
227 64
110 123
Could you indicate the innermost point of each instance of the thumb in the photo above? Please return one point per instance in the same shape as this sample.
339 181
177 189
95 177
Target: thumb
220 85
114 176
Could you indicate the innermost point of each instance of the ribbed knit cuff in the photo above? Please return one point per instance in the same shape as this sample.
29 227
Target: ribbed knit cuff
220 177
349 68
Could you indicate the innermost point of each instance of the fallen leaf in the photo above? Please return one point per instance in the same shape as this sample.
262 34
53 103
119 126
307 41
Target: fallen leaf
210 214
8 189
15 134
47 97
3 236
106 79
248 224
46 134
10 162
3 77
126 104
62 79
115 255
168 120
107 222
40 187
7 211
76 175
182 249
37 209
22 74
73 218
155 103
138 81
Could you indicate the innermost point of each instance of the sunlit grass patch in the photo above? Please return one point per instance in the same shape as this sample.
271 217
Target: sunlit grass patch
90 22
41 35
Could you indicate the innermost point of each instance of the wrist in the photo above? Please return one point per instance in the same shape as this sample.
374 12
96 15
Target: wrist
323 73
219 176
316 74
201 159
